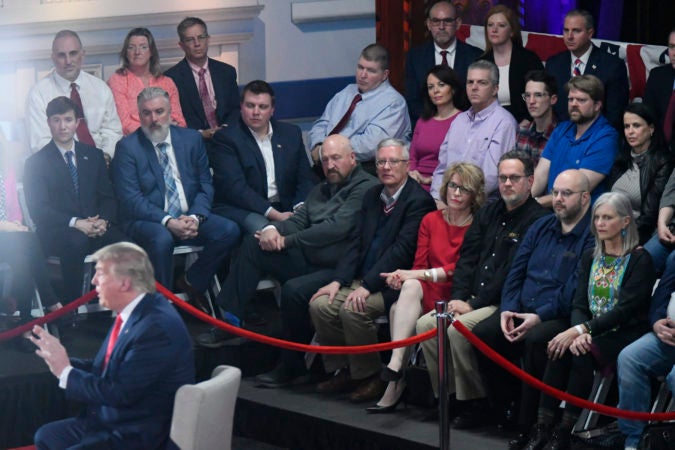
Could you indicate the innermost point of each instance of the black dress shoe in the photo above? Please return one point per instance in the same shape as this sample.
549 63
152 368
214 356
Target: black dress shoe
214 338
195 298
282 375
379 409
538 437
560 440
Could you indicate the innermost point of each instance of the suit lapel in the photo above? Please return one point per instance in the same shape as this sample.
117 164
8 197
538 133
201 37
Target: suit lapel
192 90
216 75
180 154
278 153
61 170
153 162
126 333
85 170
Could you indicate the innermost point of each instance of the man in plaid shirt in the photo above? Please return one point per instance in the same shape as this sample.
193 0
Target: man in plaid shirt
540 95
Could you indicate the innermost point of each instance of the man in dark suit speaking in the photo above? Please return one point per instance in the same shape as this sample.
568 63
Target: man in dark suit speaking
207 88
162 179
70 197
260 166
129 387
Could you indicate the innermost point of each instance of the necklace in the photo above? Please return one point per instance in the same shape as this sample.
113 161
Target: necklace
466 220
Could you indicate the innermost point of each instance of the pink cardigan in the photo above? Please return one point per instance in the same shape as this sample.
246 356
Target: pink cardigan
126 87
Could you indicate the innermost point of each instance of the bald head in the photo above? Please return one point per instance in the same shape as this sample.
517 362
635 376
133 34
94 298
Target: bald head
337 158
571 196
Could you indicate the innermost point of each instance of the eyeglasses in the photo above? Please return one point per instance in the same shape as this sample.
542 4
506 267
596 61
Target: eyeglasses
392 162
512 178
564 193
462 190
192 40
536 95
140 48
436 22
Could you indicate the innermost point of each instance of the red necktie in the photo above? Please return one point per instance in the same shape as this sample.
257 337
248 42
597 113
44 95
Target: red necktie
341 124
206 100
444 56
668 122
577 68
83 134
113 339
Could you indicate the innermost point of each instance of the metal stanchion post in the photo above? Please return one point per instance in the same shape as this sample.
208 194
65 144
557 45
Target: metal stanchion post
442 323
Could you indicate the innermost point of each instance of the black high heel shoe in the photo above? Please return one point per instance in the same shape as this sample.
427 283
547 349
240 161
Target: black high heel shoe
389 375
379 409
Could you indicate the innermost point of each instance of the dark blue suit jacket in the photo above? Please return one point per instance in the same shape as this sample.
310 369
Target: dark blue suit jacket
398 238
659 89
139 183
418 62
610 69
133 396
224 79
50 194
239 174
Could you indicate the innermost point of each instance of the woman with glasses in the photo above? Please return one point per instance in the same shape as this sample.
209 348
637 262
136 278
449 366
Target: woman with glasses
609 311
443 95
642 166
504 47
463 191
140 69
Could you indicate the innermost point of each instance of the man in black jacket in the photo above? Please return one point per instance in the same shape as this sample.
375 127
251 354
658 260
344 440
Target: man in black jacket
385 239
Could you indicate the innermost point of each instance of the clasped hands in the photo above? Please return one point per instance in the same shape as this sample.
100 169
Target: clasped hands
271 240
183 227
92 226
355 301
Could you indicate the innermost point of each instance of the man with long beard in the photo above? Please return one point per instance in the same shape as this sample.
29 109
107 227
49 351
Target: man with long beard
162 180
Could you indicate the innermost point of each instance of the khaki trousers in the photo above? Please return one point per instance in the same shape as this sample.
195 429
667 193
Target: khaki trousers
463 374
336 325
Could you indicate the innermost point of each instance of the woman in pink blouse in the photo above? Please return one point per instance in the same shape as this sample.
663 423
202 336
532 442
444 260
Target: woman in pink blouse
443 94
140 69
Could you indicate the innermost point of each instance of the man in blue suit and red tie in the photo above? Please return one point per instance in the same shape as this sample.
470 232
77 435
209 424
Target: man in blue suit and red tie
129 387
162 180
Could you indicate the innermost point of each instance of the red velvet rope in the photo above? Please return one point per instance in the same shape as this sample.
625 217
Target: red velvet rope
553 392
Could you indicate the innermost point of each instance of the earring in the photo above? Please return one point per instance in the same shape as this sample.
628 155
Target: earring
623 232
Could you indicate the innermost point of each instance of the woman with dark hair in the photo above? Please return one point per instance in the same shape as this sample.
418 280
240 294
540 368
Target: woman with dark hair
463 191
442 94
642 166
609 311
140 69
504 47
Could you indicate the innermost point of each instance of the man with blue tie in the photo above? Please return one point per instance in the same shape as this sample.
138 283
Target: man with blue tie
128 389
70 197
207 88
162 179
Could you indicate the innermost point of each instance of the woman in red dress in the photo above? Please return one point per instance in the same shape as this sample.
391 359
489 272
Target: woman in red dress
430 279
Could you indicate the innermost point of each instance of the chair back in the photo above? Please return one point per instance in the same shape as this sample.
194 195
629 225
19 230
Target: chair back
203 413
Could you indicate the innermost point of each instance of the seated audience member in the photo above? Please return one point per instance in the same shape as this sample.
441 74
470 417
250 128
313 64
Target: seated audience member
442 22
301 253
504 47
442 92
642 167
541 93
537 297
385 238
609 311
163 183
430 278
70 197
660 91
585 58
100 126
485 257
482 134
207 88
650 356
365 112
662 244
586 142
260 167
20 249
128 389
140 69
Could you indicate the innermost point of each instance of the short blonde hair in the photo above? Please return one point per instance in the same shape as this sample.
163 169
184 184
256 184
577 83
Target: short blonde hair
129 260
472 179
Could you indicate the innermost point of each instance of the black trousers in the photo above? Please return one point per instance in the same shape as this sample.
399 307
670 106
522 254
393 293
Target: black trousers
503 387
